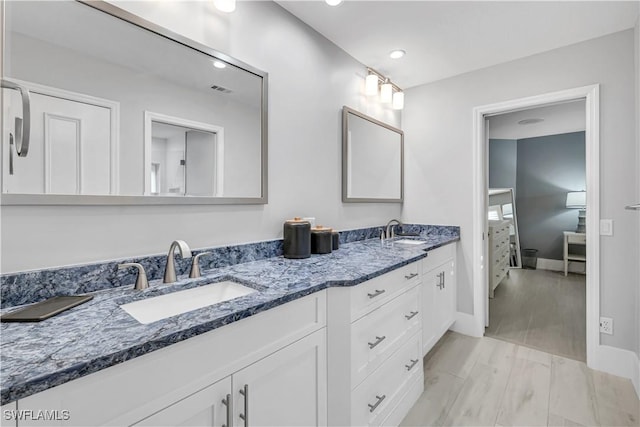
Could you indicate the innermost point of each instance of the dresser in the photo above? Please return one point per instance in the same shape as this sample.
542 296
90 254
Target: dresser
498 253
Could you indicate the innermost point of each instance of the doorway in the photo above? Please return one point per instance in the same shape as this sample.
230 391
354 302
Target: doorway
590 94
536 174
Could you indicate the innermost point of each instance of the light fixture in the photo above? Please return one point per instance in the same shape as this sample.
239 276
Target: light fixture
219 64
225 5
398 101
578 200
397 54
333 2
371 85
386 92
389 92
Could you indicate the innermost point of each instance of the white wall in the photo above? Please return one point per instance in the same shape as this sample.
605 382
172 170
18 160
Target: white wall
637 200
310 79
438 129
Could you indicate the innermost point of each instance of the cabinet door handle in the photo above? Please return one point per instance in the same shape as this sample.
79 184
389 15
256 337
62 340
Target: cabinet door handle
411 315
227 402
377 341
411 276
378 402
245 416
443 280
410 366
376 293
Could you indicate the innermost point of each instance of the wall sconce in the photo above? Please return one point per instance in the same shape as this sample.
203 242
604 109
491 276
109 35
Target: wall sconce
389 92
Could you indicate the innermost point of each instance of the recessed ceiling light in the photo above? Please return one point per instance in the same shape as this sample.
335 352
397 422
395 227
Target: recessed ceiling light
333 2
396 54
530 121
219 64
225 5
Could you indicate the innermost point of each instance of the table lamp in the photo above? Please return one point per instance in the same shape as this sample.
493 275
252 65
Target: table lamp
578 200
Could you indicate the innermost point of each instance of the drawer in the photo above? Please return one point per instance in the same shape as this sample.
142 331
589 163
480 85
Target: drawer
437 256
500 254
379 333
577 239
379 394
371 294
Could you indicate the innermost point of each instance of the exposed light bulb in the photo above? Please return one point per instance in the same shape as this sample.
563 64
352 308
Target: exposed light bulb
333 2
386 92
225 5
219 64
371 85
396 54
398 100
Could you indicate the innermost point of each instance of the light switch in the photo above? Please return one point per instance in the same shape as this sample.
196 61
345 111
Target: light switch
606 227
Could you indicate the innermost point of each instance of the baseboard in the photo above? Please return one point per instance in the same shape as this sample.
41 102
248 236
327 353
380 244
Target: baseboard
466 324
617 361
558 265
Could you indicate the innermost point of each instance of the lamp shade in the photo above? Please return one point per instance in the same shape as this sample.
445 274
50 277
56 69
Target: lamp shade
576 199
398 101
371 85
386 92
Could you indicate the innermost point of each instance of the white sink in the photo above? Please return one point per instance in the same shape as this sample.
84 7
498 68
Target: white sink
410 242
157 308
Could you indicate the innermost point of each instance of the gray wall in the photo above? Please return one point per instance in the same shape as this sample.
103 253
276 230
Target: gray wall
502 163
439 167
547 168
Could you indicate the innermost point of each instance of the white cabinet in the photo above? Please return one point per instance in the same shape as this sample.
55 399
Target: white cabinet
151 385
498 253
207 408
374 342
438 294
286 388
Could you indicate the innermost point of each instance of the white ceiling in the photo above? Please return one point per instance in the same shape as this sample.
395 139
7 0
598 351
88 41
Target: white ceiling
557 119
447 38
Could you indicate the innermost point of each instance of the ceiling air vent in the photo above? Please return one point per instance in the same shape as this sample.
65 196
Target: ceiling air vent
221 89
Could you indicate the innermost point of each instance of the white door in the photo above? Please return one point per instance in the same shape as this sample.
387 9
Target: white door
200 152
204 408
70 150
287 388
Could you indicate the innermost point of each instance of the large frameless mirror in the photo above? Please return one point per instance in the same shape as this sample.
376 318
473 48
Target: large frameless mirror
124 111
372 159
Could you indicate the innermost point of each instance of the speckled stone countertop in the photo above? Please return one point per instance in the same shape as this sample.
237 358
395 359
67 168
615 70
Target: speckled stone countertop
99 334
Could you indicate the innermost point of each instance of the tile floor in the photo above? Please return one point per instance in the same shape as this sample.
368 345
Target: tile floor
488 382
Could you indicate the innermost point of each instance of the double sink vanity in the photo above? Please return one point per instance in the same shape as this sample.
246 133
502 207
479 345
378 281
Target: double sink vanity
334 339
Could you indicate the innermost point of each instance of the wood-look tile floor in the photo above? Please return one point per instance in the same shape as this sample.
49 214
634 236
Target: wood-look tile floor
541 309
489 382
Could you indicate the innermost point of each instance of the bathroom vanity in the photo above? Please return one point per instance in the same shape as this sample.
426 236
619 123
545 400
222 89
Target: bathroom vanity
331 340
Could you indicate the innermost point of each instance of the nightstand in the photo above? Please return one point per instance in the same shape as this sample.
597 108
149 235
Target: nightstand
573 238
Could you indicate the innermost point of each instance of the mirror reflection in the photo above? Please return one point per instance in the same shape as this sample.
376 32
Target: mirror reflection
110 100
372 159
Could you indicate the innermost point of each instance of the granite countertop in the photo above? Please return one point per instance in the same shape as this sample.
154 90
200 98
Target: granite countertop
99 334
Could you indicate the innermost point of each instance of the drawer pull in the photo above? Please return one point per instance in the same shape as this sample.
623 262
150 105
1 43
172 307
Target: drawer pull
245 416
410 315
378 341
378 402
410 276
413 363
227 402
376 293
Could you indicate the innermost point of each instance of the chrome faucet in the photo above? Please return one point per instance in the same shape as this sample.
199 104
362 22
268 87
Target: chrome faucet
170 269
141 281
390 233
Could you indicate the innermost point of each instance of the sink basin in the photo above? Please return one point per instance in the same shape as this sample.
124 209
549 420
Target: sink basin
157 308
410 242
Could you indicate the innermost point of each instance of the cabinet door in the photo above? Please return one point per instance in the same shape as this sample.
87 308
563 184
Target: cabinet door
203 408
287 388
438 302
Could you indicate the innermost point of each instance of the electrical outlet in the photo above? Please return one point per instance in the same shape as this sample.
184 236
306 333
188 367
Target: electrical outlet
606 325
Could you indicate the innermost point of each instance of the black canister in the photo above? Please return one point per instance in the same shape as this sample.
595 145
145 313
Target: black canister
335 240
297 238
321 240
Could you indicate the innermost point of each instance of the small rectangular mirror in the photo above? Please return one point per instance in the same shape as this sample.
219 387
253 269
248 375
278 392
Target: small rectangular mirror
372 159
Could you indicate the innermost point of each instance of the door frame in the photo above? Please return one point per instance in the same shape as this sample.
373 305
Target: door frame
591 95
